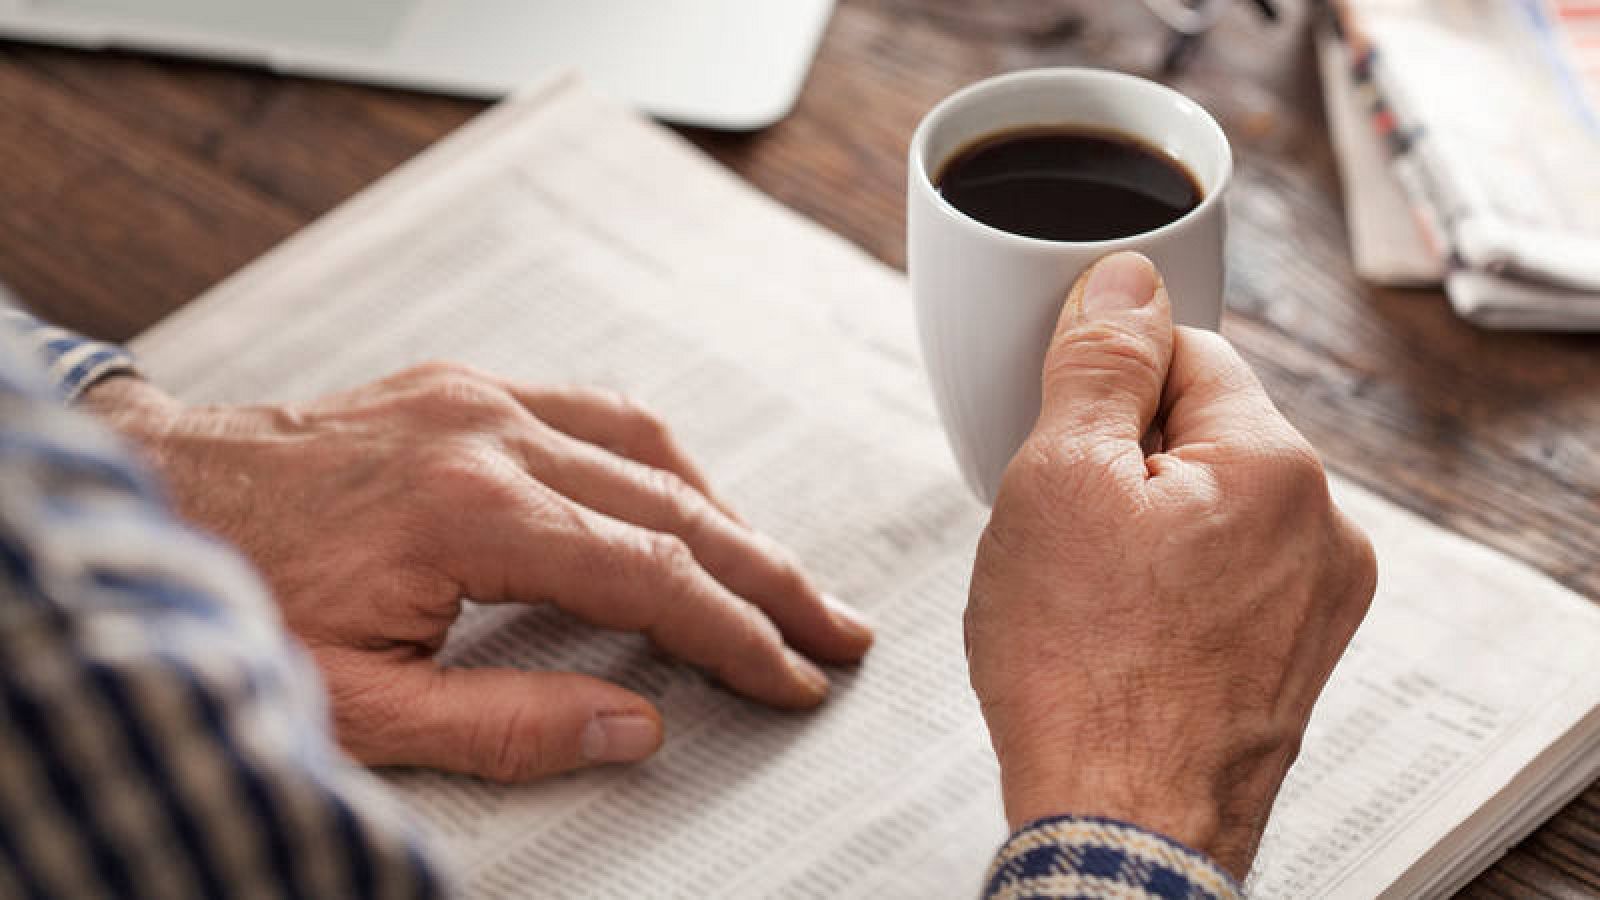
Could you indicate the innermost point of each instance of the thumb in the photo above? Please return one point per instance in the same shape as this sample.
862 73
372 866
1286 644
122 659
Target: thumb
508 725
1108 359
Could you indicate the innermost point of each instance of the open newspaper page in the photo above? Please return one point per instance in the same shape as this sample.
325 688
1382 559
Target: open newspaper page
559 239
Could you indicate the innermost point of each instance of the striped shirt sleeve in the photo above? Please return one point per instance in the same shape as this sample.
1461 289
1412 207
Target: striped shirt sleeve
1087 858
71 361
163 737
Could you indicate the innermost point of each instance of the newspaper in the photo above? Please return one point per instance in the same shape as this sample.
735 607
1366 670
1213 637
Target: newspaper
1387 243
561 239
1474 168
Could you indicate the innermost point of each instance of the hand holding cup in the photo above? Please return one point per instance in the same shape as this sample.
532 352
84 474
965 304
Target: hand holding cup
987 298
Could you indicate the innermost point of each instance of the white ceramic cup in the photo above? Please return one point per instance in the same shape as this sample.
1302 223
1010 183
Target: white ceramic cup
987 300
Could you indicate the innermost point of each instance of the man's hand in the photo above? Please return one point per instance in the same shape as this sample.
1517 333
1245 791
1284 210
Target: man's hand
373 512
1165 584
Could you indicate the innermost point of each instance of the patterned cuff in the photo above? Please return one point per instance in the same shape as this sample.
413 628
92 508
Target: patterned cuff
1086 858
72 362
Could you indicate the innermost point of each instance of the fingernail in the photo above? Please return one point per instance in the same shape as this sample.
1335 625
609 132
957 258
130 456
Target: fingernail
1120 282
620 737
806 671
847 618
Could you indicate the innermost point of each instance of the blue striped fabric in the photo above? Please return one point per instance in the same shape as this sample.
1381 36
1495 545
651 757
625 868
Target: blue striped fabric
71 361
162 737
1085 858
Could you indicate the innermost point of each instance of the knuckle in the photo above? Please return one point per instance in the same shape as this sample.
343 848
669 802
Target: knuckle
448 461
364 710
614 400
788 576
1062 472
455 398
464 392
511 749
1105 348
558 515
1221 363
441 368
781 572
1277 465
1294 472
1360 562
443 463
1301 461
668 557
684 504
756 642
1212 343
464 472
1042 461
644 426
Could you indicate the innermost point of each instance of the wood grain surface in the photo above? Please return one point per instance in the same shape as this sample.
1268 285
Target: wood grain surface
129 185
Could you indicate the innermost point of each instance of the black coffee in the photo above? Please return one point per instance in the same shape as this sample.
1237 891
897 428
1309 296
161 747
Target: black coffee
1068 184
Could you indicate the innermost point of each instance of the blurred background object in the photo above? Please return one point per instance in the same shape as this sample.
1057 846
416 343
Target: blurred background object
722 63
1467 136
1042 25
1189 21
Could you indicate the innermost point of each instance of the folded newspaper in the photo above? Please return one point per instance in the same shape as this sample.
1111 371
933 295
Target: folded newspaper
1467 132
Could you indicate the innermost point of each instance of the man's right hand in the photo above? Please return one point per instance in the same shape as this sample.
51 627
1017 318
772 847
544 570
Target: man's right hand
1165 585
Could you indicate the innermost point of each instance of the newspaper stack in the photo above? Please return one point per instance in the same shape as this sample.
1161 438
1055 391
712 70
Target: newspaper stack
1468 136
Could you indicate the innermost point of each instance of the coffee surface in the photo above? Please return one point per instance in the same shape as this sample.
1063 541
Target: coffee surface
1068 184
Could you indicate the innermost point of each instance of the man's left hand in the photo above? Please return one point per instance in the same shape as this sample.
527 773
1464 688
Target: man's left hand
372 513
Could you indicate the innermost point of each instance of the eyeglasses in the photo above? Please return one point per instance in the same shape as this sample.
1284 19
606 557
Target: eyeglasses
1186 21
1189 20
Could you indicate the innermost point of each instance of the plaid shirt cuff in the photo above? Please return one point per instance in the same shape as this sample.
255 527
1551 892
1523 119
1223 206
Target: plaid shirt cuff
72 362
1073 857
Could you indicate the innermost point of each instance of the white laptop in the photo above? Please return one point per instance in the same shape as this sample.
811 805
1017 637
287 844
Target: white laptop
735 64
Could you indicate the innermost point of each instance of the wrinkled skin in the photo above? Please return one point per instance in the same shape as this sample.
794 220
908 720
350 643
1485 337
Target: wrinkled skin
371 513
1165 584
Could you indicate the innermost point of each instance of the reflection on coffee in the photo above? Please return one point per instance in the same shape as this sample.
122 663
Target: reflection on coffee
1068 184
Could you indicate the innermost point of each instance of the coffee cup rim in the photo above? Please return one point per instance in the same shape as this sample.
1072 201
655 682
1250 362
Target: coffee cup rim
942 109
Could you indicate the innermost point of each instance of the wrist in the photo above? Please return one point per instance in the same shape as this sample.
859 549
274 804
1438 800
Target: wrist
149 420
1201 800
1037 789
136 409
202 454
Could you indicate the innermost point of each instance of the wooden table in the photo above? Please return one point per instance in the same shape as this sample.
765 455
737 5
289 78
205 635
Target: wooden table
128 186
